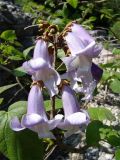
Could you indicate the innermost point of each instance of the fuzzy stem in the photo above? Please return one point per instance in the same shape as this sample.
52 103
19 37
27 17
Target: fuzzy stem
53 112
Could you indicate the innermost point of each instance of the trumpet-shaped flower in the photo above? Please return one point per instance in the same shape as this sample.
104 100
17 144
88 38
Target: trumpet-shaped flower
40 68
79 65
36 118
78 71
81 43
74 117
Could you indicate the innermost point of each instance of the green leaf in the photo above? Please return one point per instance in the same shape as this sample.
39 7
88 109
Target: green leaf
60 53
26 51
58 104
23 145
73 3
15 58
9 50
109 134
93 134
8 35
4 88
19 72
117 154
114 140
116 51
101 114
115 86
106 75
1 100
117 74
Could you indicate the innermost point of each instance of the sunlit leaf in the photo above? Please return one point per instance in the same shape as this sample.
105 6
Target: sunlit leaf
26 51
61 53
73 3
15 58
1 100
58 104
101 114
19 72
8 35
115 86
4 88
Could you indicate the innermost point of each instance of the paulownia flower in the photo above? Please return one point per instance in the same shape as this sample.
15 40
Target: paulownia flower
81 43
40 68
89 76
74 117
83 48
36 118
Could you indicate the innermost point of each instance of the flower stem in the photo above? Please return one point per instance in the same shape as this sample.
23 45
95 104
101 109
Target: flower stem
53 112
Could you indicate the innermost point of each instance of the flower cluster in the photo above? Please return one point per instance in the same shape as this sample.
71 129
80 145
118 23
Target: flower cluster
80 68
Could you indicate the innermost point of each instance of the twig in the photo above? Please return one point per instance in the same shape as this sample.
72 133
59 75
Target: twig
31 26
59 66
17 79
6 105
55 50
22 87
52 107
6 69
105 93
50 152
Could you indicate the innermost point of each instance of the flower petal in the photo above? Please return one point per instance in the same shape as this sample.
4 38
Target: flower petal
43 131
74 43
26 66
55 122
35 103
70 103
51 85
31 119
41 50
82 33
56 76
96 72
38 63
16 125
81 43
78 118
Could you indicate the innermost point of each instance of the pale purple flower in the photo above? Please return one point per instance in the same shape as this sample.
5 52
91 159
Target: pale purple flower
81 43
40 67
83 48
81 69
74 117
35 119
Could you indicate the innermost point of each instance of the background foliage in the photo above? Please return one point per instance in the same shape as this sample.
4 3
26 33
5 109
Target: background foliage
92 14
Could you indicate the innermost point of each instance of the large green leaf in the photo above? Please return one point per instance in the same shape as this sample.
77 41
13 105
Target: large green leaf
23 145
93 134
4 88
101 114
19 72
26 51
8 35
115 86
15 58
73 3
